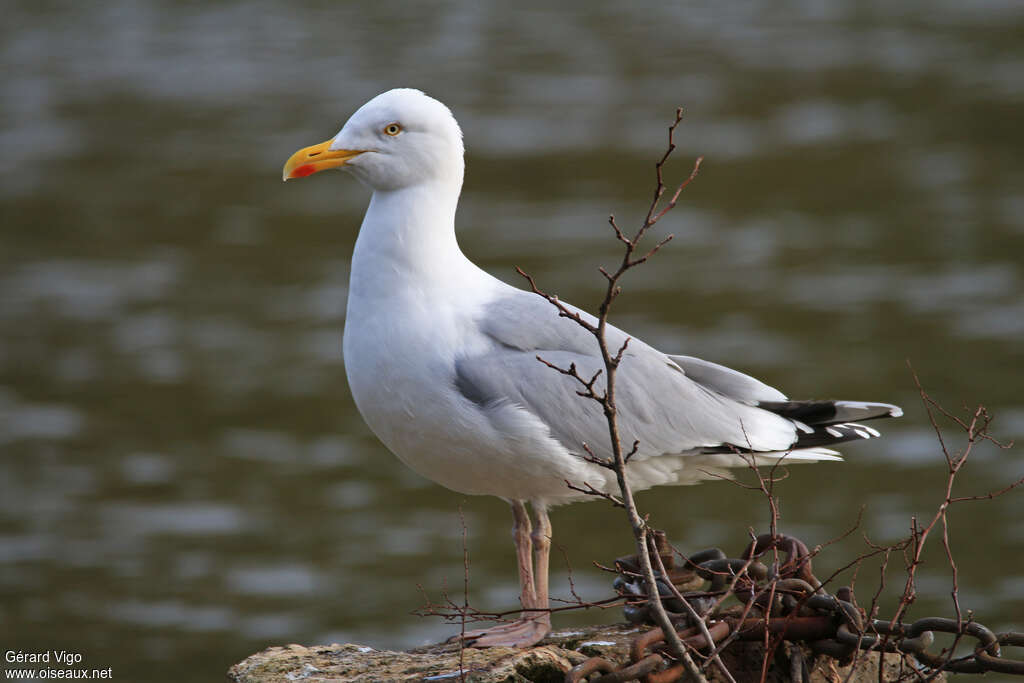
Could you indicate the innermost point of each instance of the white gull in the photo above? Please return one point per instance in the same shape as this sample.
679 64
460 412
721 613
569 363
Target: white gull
441 359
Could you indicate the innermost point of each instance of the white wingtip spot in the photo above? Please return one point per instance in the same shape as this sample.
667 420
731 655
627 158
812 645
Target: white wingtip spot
802 427
834 432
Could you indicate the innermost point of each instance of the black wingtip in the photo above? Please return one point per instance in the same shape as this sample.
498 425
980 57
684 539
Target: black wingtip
831 412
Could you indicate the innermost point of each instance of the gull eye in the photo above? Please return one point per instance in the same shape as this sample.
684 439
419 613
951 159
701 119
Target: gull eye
392 129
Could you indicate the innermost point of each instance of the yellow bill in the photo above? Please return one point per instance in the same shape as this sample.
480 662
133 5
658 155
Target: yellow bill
316 158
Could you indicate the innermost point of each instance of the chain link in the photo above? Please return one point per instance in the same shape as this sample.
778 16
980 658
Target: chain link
783 599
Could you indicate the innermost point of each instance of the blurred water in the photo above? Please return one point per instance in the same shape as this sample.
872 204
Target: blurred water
184 478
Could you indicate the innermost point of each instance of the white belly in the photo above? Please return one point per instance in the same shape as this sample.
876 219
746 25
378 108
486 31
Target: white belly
401 371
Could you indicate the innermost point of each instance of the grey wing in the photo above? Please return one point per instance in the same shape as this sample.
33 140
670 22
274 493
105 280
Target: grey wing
746 389
660 406
727 381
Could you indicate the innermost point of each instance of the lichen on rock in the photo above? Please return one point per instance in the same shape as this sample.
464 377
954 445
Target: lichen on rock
547 663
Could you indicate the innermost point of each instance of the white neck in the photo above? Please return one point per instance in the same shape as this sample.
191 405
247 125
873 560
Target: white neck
408 240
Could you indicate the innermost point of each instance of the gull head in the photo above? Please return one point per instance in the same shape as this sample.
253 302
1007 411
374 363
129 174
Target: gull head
398 139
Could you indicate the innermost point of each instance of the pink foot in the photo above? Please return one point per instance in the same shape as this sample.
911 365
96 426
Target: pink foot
521 633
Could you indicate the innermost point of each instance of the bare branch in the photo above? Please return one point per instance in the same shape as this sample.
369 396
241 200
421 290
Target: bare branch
990 495
675 197
607 398
591 491
700 620
633 450
571 371
596 459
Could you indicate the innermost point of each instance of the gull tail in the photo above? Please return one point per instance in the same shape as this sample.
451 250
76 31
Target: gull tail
823 423
818 425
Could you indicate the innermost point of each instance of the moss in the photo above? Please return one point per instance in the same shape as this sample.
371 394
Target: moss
540 672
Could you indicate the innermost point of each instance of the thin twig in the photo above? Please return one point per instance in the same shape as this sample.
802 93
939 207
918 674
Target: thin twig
694 616
606 398
465 598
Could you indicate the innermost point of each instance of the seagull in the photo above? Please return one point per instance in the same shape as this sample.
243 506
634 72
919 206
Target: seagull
442 361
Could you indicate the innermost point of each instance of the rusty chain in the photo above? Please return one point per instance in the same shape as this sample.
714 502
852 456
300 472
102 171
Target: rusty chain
783 599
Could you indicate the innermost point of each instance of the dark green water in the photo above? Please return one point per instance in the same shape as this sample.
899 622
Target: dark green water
184 478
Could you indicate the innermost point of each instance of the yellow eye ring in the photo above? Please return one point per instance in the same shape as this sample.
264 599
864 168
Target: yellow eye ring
392 129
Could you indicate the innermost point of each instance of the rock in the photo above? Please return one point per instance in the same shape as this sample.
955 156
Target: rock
360 664
547 663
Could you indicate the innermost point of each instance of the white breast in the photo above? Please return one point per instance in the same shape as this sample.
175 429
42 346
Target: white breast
400 348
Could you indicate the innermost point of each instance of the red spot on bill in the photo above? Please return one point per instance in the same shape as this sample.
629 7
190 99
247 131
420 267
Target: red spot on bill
303 171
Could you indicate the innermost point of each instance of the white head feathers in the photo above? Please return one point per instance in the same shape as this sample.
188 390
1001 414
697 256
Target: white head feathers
408 138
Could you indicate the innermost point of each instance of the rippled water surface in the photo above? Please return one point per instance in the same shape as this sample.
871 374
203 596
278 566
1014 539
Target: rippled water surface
184 478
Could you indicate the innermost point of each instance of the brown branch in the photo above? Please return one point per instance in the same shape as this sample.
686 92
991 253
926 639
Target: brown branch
591 491
682 186
563 310
632 451
571 371
568 571
700 620
465 597
596 460
988 496
611 363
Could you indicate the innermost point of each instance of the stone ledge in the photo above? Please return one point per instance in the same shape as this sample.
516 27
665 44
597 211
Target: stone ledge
548 663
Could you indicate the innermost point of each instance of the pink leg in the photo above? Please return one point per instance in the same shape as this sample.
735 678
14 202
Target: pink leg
533 625
541 538
522 536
